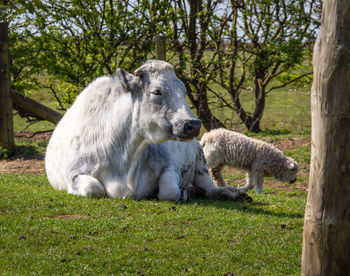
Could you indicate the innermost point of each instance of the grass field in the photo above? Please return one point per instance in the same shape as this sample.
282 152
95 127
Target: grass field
49 232
46 232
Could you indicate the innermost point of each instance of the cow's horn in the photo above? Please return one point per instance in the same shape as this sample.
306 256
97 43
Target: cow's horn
138 72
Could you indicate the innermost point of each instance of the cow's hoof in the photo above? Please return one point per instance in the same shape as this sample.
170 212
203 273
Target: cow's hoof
245 197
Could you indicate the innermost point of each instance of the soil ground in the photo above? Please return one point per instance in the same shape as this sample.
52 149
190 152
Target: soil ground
33 164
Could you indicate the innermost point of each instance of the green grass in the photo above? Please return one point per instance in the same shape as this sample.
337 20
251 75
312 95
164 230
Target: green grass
50 232
286 110
44 97
301 153
21 124
25 148
44 231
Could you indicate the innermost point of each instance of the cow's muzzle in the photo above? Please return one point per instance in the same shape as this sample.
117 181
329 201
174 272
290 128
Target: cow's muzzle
187 129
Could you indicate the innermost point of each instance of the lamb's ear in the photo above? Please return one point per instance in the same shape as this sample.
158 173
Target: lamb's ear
291 166
125 78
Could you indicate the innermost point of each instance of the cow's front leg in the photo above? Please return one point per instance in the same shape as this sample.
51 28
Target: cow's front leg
169 186
205 183
86 185
228 193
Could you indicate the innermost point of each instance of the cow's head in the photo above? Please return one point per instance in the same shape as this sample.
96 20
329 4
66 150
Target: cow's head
162 112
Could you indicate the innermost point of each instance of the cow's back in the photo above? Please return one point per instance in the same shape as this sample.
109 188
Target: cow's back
58 151
76 143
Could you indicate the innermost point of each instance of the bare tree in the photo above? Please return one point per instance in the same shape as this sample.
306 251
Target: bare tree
221 49
326 242
238 47
264 43
191 28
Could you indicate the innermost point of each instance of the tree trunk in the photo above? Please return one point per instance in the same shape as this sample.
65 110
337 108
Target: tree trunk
326 240
6 121
160 47
252 124
208 119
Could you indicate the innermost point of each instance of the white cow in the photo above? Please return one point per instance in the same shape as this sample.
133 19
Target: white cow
112 141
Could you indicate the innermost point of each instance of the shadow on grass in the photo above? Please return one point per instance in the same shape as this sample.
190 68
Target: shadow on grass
25 151
20 151
251 208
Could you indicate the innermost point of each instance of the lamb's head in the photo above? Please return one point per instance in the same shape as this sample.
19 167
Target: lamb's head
162 111
289 170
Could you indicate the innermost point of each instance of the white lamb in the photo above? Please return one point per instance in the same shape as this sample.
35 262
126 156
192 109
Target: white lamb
223 147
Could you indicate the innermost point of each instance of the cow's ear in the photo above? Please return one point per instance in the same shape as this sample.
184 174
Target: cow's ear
139 72
125 78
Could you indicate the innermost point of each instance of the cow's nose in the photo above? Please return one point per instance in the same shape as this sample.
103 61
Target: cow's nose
192 128
293 180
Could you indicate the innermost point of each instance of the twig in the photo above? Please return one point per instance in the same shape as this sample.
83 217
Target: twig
35 133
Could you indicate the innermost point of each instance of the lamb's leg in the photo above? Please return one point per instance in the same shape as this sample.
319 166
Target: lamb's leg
86 185
259 183
250 181
254 179
169 186
202 181
218 177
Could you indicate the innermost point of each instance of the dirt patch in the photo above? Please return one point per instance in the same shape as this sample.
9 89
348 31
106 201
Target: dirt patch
272 183
33 164
34 136
29 165
68 217
284 144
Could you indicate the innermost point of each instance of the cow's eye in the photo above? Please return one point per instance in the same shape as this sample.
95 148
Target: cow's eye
157 93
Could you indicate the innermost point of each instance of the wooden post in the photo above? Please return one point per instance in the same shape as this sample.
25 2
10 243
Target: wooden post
326 239
160 47
6 121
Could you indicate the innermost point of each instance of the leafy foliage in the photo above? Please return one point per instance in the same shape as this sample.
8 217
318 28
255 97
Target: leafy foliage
237 46
3 153
69 43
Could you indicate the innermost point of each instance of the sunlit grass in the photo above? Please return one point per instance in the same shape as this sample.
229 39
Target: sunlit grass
50 232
